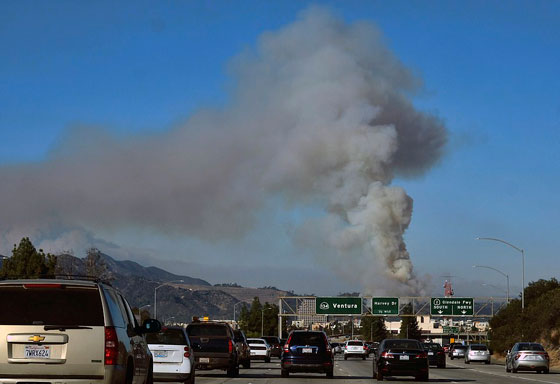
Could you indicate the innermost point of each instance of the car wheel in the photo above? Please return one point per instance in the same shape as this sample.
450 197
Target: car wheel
247 364
487 362
150 375
379 376
285 373
441 365
345 357
467 362
451 357
546 370
514 370
129 373
190 380
330 374
363 357
507 368
231 372
267 360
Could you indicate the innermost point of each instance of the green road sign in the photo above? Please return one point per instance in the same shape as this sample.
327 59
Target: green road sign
447 329
385 306
338 305
452 306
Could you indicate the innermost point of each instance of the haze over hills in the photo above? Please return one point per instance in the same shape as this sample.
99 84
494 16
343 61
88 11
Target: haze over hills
181 298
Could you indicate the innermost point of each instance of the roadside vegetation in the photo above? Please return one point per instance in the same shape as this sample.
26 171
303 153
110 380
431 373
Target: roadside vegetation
539 322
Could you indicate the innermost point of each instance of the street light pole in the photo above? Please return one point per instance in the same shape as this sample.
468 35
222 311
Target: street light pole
155 294
522 265
234 305
500 272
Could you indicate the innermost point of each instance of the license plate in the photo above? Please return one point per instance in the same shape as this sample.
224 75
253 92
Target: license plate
253 353
404 357
160 354
307 350
204 360
430 353
37 352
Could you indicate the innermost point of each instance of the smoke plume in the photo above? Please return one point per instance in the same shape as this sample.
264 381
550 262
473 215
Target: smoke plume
320 113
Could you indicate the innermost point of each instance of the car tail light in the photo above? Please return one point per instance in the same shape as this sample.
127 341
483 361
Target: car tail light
546 356
111 346
422 355
187 353
365 348
441 353
230 346
287 345
517 356
387 355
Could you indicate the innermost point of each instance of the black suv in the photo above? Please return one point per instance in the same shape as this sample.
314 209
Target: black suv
307 351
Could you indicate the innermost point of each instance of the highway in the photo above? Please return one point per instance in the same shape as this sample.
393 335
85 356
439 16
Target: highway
358 372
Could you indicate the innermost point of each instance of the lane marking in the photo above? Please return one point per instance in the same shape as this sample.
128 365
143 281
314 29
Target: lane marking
504 375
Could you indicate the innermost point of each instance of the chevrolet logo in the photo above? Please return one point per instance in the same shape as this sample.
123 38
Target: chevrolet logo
36 338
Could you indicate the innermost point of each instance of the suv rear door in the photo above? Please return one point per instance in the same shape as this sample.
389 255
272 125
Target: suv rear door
52 330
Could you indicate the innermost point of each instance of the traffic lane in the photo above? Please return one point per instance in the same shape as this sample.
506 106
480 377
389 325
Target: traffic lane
491 373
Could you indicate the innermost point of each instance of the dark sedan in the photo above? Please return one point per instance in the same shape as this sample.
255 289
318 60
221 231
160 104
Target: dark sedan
275 345
401 357
436 354
307 351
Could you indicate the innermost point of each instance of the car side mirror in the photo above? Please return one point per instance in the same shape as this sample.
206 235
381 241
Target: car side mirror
507 352
150 326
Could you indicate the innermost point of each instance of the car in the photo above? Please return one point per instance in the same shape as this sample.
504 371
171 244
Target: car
436 355
450 347
307 351
275 345
457 351
401 357
243 348
56 330
173 356
355 348
260 350
336 348
525 356
214 346
477 352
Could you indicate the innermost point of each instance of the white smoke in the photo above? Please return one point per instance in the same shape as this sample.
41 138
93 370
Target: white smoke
320 113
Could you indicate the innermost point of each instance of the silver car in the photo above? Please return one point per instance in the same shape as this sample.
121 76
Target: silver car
457 351
527 357
70 331
477 352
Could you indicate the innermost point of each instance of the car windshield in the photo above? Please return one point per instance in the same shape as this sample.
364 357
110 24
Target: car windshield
308 338
402 344
168 337
479 348
59 305
530 347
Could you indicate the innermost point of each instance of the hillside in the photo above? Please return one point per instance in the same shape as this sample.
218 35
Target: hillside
181 300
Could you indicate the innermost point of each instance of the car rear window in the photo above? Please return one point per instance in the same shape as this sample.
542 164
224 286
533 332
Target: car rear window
255 341
167 336
355 343
459 347
479 348
272 340
402 344
530 347
308 338
433 347
57 305
207 330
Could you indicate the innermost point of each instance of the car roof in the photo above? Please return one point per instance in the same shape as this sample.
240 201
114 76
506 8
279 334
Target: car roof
86 283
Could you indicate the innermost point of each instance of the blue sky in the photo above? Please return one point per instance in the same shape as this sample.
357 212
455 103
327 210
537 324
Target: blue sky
490 72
